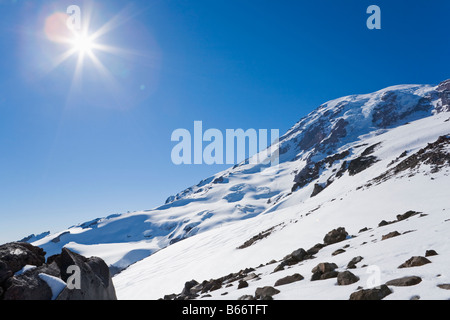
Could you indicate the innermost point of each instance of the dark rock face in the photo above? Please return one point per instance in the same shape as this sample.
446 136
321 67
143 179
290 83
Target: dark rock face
415 262
335 236
95 281
360 164
444 94
345 278
435 155
371 294
312 171
289 279
317 189
404 282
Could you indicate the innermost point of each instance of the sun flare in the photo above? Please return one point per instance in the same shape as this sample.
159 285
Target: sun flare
83 43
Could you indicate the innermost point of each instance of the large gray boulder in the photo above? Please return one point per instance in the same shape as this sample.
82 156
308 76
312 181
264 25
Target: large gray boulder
46 281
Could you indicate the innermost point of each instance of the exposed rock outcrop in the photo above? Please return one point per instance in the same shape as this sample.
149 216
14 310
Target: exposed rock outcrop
38 280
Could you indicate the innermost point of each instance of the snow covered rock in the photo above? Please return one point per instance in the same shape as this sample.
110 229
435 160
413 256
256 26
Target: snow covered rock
47 281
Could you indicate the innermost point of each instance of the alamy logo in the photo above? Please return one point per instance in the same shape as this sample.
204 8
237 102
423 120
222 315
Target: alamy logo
74 20
74 281
229 150
374 21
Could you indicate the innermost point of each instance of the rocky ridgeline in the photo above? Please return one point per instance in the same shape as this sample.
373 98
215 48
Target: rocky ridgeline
323 270
25 275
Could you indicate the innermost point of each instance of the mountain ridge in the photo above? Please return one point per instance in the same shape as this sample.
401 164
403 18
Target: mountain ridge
339 139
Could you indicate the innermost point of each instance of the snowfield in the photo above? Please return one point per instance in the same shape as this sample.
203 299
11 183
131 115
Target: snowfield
352 163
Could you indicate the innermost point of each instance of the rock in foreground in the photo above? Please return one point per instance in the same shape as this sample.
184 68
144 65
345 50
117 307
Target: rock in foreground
24 275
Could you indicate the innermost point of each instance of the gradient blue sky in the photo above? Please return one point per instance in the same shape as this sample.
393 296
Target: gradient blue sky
73 151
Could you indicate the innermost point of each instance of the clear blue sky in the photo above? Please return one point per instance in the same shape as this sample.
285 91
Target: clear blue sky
71 151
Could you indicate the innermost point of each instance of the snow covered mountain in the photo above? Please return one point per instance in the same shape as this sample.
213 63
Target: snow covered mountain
351 163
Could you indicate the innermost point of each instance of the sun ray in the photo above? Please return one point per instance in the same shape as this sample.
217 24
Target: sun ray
118 20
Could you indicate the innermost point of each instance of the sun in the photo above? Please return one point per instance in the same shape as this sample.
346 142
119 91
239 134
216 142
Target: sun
83 43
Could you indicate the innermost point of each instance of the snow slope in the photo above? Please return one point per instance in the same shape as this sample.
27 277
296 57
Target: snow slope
214 253
336 153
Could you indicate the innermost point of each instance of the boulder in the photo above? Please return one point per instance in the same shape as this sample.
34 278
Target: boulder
5 272
414 262
294 257
324 271
353 262
383 223
95 279
16 255
289 279
346 278
316 248
430 253
335 236
266 293
188 286
324 267
242 284
390 235
445 286
29 287
404 282
406 215
48 281
338 251
371 294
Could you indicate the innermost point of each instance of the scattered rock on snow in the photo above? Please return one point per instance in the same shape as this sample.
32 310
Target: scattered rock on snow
289 279
371 294
406 215
430 253
335 236
414 262
444 286
404 282
96 283
338 251
315 249
242 284
324 271
266 293
353 262
346 278
390 235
